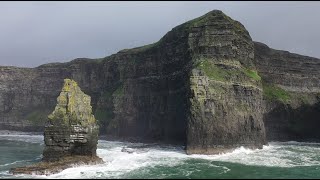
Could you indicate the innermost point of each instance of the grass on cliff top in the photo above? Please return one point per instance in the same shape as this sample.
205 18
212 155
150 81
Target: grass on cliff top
142 48
214 14
252 74
272 92
214 72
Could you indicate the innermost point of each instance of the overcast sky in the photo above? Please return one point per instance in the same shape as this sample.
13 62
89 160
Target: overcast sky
34 33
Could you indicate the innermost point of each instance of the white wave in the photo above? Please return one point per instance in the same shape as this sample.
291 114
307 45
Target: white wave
4 173
272 155
118 164
15 162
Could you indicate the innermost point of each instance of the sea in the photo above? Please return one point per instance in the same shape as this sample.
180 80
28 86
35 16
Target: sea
136 160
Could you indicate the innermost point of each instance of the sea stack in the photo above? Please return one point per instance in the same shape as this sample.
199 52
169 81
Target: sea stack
72 128
71 136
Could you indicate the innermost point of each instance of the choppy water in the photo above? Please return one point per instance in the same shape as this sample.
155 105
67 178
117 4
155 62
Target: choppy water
277 160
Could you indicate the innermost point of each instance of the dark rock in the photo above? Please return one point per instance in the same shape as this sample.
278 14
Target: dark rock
71 137
128 150
72 129
202 84
292 108
48 168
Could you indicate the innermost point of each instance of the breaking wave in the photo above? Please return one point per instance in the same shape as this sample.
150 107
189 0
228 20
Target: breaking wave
143 158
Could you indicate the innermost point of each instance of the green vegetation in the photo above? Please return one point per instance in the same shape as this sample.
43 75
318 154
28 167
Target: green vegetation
304 98
107 94
272 92
119 91
103 115
104 118
205 18
37 117
242 107
222 74
252 74
100 60
212 71
116 89
141 48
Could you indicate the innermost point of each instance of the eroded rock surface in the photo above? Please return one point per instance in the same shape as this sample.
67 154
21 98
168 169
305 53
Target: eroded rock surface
72 128
205 84
71 136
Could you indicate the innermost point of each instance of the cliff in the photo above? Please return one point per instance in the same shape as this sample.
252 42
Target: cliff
205 84
292 94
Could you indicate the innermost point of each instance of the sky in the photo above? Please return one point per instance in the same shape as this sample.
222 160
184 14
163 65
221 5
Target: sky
35 33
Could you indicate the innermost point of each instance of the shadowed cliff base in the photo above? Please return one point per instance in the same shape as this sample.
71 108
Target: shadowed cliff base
285 123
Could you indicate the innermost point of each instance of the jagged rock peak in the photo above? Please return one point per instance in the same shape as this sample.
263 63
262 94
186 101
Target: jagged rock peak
71 137
73 106
218 20
72 128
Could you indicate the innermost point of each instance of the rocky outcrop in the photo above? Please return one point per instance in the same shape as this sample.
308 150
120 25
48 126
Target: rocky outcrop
204 84
72 128
226 94
52 167
71 136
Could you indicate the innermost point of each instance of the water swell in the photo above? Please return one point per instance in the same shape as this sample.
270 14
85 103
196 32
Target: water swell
276 154
172 161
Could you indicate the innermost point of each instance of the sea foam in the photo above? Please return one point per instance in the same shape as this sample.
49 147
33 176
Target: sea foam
118 164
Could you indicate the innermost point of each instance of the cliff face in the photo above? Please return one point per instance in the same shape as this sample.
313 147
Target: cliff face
226 97
200 84
28 95
291 85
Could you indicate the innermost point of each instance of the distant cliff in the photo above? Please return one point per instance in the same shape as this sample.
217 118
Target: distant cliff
205 83
291 85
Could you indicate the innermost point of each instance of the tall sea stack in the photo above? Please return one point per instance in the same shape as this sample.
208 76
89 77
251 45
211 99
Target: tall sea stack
72 128
71 136
204 84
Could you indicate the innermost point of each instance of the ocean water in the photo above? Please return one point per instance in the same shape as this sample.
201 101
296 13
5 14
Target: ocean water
276 160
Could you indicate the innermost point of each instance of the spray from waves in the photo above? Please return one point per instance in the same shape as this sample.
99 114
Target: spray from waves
118 164
5 173
276 154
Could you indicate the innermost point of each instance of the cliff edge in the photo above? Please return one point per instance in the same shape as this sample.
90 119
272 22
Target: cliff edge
204 84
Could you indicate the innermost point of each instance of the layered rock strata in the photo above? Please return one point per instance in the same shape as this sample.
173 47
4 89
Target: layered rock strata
291 86
71 136
204 84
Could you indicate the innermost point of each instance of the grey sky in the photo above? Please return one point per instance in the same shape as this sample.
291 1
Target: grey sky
34 33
